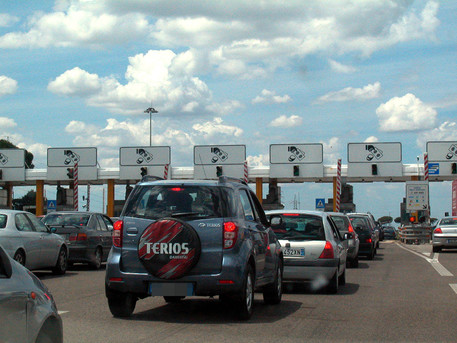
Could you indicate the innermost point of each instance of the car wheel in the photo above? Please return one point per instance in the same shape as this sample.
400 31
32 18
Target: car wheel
371 255
355 262
436 249
44 337
121 304
19 256
173 299
245 300
377 245
61 265
97 259
332 287
272 293
342 278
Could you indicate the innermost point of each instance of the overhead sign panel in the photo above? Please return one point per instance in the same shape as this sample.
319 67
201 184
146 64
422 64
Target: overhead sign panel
212 161
417 196
297 160
60 160
444 156
136 162
296 153
12 164
375 159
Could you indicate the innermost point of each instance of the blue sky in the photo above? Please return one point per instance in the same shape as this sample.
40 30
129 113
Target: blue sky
81 73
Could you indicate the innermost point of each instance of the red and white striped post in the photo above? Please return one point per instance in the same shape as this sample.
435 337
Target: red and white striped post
425 166
246 172
338 186
165 171
75 187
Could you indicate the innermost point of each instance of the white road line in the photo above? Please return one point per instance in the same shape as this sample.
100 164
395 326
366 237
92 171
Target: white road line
63 312
426 254
454 287
434 262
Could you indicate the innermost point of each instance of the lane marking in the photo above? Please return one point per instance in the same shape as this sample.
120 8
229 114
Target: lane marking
63 312
454 287
434 262
426 254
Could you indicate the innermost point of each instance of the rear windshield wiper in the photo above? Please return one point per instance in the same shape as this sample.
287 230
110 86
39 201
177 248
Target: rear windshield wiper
184 214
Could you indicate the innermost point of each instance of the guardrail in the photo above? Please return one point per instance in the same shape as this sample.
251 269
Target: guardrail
415 234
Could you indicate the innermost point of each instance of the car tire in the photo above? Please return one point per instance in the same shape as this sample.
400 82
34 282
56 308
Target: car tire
245 300
371 255
19 257
342 278
121 304
332 287
436 249
173 299
377 245
44 337
355 262
97 258
272 293
62 262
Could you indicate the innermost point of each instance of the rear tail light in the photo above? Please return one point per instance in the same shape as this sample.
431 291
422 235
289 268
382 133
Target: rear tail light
437 230
328 251
230 234
117 233
78 237
368 240
350 228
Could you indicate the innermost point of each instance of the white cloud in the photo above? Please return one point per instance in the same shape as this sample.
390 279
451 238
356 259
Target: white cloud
217 128
7 85
270 97
259 160
76 82
285 122
7 20
447 131
370 91
406 113
332 149
341 68
371 139
6 123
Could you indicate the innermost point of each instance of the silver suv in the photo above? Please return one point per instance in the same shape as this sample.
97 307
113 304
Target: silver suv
183 238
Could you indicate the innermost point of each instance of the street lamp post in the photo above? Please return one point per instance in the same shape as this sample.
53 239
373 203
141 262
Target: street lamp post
150 110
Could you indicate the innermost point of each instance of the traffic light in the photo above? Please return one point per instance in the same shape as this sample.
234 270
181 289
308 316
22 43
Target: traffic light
374 169
71 173
296 171
413 218
454 168
144 171
218 171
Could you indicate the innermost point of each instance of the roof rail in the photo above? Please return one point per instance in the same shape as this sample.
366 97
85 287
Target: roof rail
224 179
147 178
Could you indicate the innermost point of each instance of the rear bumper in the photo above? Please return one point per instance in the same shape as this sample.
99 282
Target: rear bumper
309 270
447 241
366 248
80 253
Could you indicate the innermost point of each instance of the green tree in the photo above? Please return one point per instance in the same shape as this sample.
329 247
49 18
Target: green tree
5 144
385 220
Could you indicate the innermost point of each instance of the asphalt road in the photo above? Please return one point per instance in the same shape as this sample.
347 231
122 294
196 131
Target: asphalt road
406 294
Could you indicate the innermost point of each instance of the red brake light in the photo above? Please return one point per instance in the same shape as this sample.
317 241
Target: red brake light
230 234
177 189
78 237
438 230
368 240
117 233
291 214
350 228
328 251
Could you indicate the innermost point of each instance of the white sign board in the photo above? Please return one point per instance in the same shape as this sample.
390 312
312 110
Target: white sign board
375 159
60 159
12 164
296 153
442 151
219 154
417 196
133 159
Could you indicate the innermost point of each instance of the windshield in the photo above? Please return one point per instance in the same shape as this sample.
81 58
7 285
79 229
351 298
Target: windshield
360 224
448 221
163 201
66 219
342 223
297 227
2 221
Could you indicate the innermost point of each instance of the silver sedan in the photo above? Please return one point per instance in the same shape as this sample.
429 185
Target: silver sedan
445 234
312 247
27 240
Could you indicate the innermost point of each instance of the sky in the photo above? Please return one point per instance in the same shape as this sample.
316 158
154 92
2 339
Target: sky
79 73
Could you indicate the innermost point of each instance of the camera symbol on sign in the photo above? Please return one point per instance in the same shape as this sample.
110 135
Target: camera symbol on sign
296 153
219 154
3 159
145 156
71 157
374 152
452 152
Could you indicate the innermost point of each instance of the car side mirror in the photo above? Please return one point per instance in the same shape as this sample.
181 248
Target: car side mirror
275 221
6 269
53 229
348 235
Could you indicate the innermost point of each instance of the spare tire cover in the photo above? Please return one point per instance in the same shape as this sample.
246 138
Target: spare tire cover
169 248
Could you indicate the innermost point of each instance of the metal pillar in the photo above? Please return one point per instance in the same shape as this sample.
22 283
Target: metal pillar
39 199
110 199
259 188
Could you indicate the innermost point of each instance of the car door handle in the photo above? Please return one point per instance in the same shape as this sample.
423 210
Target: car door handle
132 230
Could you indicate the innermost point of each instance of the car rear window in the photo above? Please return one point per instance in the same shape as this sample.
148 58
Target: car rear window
342 223
3 219
298 227
66 219
162 201
360 224
448 221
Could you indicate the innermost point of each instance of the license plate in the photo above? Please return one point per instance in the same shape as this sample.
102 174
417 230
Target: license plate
452 240
171 289
294 252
